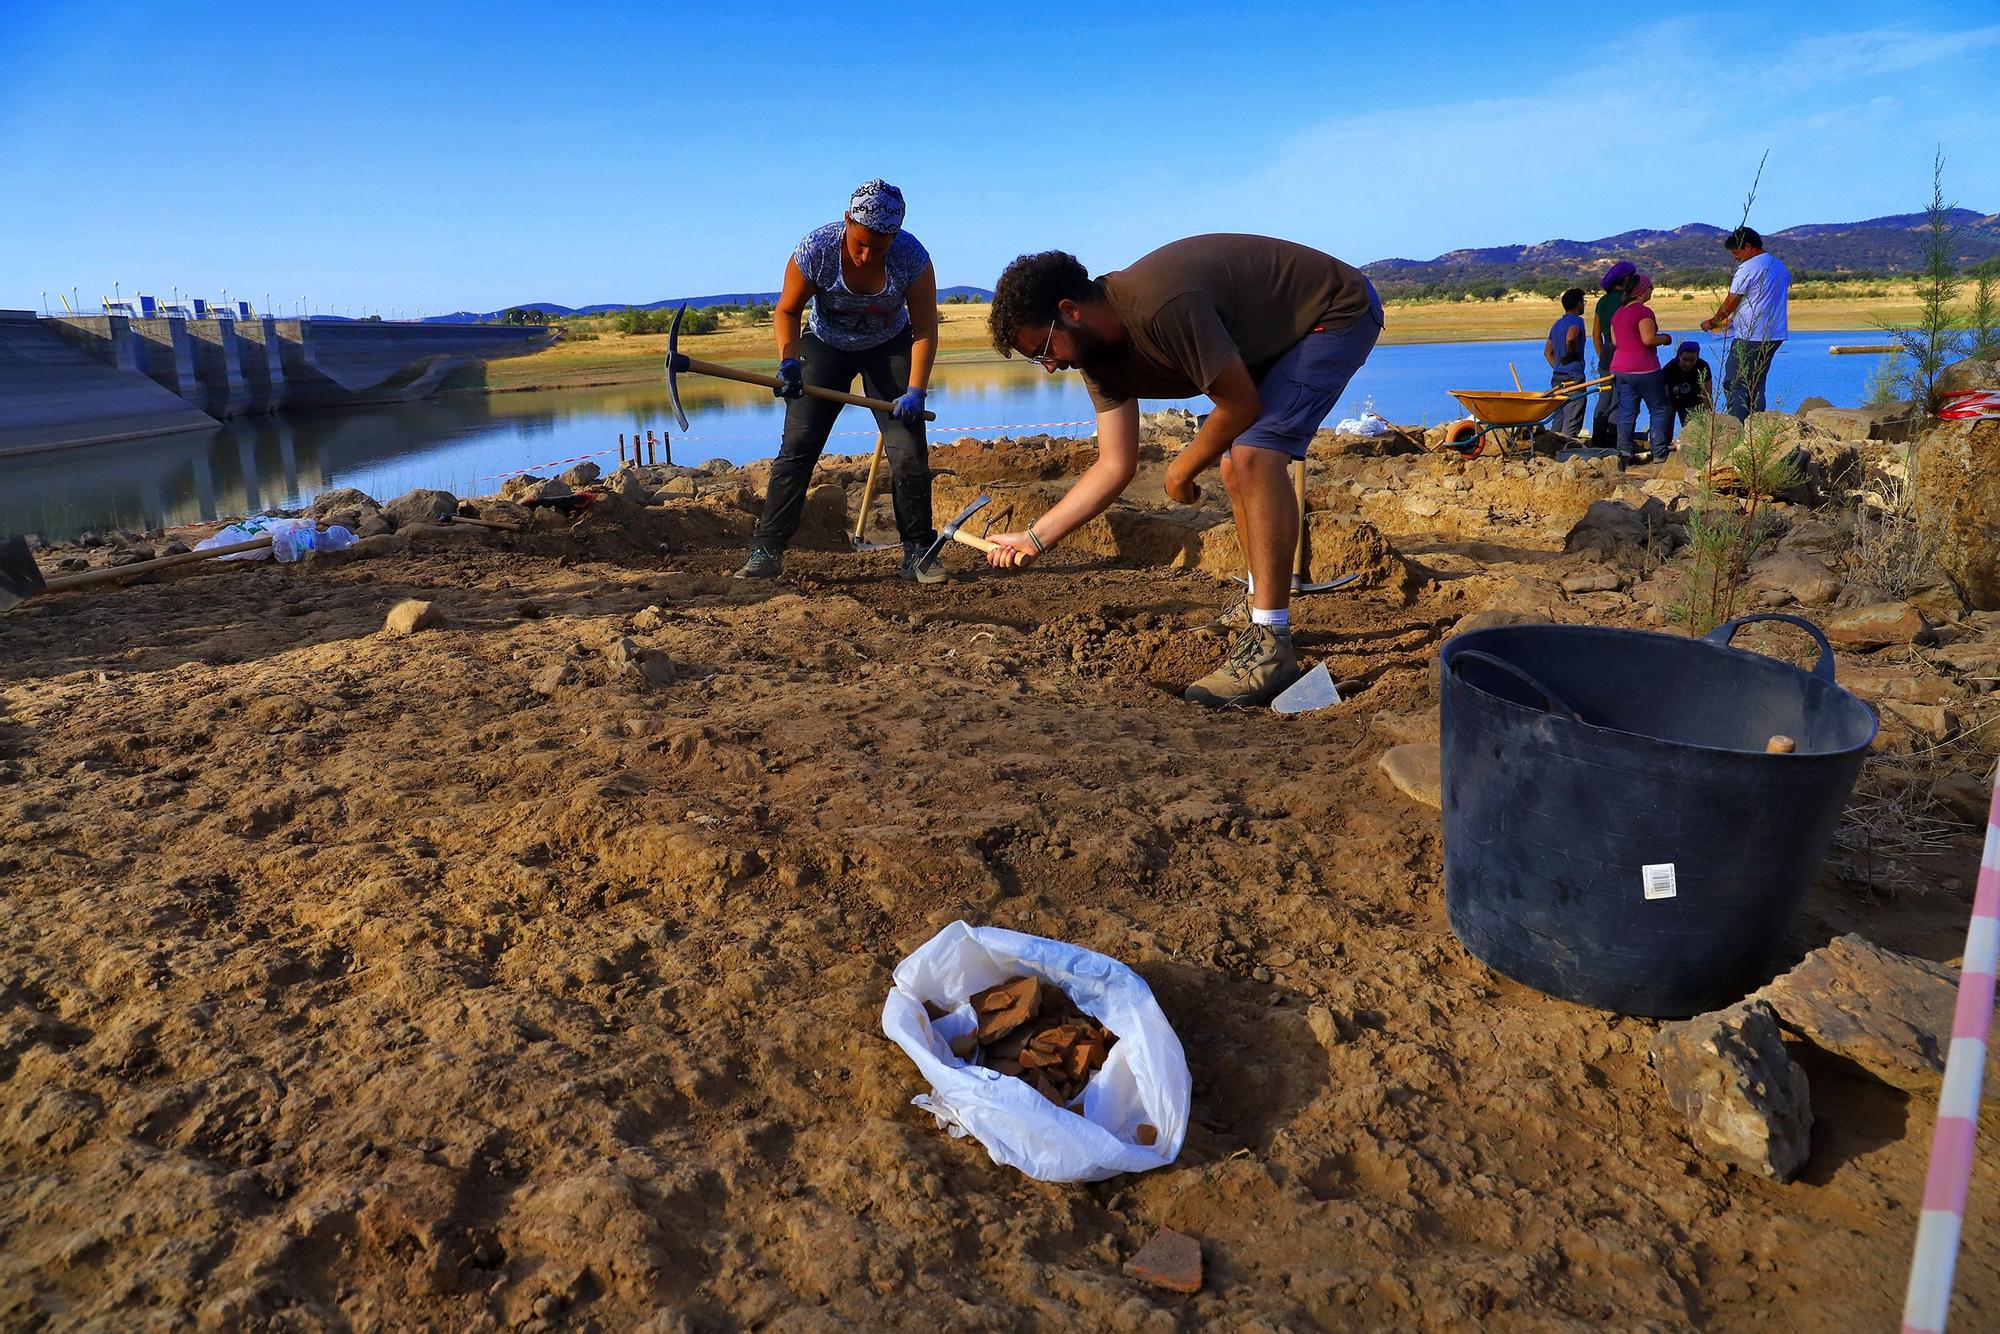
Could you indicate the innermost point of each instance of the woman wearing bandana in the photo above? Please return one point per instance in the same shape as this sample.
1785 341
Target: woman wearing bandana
874 314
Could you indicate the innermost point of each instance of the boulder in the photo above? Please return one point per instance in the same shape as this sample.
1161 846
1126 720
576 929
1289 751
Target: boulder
375 524
1414 769
826 514
1888 1013
411 615
1801 576
1957 482
627 483
1876 421
1611 528
1175 426
1877 626
1592 581
553 678
1972 373
1745 1102
420 506
340 499
583 474
524 488
1494 616
1811 404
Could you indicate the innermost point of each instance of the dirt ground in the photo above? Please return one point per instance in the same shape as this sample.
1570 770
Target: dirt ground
351 981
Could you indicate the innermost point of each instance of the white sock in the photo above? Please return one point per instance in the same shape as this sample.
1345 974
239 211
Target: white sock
1278 618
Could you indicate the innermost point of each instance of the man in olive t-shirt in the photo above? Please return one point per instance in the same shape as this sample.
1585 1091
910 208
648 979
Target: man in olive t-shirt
1270 330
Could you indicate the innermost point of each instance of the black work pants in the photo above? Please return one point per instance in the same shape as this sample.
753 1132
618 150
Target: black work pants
885 373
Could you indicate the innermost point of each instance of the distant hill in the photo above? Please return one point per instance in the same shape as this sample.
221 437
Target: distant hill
1689 254
694 302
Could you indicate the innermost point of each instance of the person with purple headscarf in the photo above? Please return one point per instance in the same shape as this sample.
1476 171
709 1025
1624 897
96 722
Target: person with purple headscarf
873 297
1617 281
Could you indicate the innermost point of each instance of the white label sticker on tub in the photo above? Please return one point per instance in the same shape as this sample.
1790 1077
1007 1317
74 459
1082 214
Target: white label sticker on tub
1659 880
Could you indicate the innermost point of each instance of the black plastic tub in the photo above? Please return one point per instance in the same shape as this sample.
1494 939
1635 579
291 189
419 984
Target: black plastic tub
1615 832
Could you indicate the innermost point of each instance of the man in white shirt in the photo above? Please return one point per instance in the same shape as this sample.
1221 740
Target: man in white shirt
1755 313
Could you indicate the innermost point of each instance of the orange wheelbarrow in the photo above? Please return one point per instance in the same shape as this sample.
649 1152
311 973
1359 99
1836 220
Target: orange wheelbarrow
1509 416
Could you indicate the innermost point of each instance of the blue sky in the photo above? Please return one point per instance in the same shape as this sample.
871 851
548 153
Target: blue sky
439 156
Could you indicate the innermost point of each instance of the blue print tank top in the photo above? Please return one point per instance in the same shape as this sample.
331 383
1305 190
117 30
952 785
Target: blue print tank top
852 321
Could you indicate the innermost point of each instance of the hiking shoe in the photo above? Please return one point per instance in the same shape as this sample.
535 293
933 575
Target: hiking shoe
1234 617
914 552
764 563
1260 666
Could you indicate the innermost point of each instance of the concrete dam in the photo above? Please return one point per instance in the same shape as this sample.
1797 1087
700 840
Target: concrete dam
90 379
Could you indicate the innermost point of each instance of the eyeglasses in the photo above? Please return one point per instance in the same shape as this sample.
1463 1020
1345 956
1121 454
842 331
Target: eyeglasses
1046 355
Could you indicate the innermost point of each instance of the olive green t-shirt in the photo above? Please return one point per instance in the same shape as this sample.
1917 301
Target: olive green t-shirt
1191 305
1607 306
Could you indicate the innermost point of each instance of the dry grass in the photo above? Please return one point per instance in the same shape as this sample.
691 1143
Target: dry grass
1898 831
615 358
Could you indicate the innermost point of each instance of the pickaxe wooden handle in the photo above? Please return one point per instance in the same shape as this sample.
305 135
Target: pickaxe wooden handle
722 372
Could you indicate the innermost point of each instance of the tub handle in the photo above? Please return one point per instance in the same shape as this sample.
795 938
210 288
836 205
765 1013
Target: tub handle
1823 669
1549 697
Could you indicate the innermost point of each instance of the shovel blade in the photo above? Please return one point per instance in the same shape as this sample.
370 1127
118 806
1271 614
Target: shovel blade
1328 586
1314 690
866 547
20 577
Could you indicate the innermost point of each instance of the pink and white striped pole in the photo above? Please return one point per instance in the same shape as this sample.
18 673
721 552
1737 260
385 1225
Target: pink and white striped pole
1929 1294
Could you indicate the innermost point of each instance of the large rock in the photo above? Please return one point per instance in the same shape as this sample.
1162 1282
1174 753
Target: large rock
1613 528
1801 576
1745 1102
1876 421
420 506
1958 503
411 615
583 474
1963 376
826 514
1877 626
1888 1013
342 498
1415 771
530 487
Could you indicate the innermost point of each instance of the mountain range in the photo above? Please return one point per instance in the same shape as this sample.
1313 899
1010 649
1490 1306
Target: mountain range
1877 246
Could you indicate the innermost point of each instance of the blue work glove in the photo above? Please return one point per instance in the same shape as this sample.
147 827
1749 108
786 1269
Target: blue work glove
909 408
791 378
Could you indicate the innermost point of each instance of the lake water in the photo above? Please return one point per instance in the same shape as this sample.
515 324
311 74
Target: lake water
469 443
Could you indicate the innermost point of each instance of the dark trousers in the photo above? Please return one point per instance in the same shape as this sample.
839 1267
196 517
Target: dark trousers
1650 389
885 373
1602 427
1569 417
1743 374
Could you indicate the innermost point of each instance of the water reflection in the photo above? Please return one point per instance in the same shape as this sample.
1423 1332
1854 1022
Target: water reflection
469 443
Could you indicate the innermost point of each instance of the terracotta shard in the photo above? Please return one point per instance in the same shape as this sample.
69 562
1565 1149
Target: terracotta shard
1004 1008
964 1045
1147 1135
935 1011
1170 1260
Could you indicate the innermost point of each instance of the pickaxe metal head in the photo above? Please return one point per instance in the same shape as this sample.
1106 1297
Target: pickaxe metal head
950 530
674 363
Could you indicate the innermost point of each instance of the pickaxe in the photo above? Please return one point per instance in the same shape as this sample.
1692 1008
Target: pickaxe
950 533
1301 565
676 363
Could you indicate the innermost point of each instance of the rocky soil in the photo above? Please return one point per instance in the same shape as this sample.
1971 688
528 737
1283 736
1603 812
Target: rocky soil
524 970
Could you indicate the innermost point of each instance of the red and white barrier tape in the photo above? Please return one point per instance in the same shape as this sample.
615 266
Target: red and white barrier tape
1971 405
605 453
1928 1297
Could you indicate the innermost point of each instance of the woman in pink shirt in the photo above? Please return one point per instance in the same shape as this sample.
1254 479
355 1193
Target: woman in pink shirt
1635 333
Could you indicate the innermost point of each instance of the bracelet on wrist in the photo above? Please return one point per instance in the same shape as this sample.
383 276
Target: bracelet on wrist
1035 541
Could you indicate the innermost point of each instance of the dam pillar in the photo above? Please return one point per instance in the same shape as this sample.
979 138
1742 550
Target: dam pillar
216 354
166 355
262 364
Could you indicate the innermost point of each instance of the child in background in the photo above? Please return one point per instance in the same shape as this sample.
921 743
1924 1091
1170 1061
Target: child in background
1690 384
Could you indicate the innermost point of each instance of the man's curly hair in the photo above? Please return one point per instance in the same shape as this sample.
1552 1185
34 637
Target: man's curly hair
1028 291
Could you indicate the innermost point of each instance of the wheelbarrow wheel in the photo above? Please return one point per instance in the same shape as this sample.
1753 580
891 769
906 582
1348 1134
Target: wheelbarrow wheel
1465 439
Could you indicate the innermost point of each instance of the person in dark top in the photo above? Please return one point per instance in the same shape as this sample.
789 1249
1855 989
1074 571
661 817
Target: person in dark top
1563 350
1690 384
1271 331
1617 281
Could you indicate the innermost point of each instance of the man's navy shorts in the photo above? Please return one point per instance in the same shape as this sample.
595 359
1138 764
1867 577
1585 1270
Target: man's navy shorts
1303 384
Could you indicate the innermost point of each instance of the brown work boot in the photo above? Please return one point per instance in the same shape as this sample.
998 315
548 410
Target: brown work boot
1260 666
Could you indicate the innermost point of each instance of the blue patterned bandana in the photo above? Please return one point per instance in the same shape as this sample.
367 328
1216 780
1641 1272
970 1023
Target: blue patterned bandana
877 205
